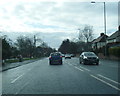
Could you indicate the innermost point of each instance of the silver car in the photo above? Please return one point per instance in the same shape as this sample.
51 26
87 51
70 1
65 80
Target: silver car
89 58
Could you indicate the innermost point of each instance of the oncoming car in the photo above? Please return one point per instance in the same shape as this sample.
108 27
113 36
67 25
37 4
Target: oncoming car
89 58
55 58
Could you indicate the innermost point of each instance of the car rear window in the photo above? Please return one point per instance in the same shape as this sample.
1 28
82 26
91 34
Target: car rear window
55 54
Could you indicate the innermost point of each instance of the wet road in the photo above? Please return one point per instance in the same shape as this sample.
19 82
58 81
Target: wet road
70 78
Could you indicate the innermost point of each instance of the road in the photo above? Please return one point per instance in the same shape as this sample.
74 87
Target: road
70 78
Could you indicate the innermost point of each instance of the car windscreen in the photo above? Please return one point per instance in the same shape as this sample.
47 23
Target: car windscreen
89 54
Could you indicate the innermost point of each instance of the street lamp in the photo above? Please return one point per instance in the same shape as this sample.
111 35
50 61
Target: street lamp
104 21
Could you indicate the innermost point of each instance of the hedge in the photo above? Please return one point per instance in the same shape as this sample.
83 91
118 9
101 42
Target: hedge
114 51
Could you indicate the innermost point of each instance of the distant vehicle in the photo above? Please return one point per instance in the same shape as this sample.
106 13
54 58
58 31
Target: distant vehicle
55 58
68 56
72 55
89 58
63 55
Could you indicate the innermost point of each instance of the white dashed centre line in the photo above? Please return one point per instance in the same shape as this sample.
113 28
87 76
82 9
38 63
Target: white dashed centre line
76 67
109 79
106 82
22 88
84 68
79 69
17 78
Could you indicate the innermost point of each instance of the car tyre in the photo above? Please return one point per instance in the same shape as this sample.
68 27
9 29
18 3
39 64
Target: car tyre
50 63
61 62
97 63
80 61
84 63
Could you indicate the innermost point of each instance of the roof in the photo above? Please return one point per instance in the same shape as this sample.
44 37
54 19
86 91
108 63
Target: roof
114 35
100 39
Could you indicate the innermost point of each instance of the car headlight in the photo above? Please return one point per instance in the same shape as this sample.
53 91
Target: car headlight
97 58
85 57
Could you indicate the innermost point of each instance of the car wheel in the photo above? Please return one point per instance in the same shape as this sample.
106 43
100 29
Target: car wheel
80 61
84 63
61 62
50 63
97 63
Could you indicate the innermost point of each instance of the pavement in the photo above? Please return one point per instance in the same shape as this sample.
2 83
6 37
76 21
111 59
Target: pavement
16 64
70 78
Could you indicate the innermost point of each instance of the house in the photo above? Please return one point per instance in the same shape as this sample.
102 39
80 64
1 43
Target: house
99 42
114 39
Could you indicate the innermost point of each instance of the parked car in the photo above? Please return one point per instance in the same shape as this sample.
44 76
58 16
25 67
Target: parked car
89 58
55 58
68 56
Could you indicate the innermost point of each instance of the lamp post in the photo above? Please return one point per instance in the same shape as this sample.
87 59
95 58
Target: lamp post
104 22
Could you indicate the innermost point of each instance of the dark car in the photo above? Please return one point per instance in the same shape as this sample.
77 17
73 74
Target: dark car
89 58
55 58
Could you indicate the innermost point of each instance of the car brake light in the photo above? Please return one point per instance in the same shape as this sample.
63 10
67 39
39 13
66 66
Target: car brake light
61 56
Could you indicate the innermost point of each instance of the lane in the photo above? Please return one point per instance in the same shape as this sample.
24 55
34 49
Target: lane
15 74
43 78
105 68
112 83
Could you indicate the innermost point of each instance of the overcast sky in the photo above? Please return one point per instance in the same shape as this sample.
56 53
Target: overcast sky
55 21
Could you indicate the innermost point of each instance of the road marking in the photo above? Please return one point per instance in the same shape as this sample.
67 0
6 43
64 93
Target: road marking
22 88
109 79
105 82
17 78
79 69
84 68
76 67
70 64
29 69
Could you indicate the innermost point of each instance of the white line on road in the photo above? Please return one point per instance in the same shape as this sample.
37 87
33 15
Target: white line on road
105 82
79 69
17 78
84 68
70 64
22 88
109 79
76 67
29 69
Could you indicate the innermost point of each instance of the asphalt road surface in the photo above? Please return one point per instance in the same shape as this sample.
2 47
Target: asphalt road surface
70 78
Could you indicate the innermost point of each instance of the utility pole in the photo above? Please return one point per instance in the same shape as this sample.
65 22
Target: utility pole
104 24
34 40
34 51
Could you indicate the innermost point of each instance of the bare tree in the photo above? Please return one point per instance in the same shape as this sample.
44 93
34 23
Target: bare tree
88 33
25 45
80 37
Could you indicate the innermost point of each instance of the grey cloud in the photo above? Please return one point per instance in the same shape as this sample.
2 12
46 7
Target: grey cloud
67 16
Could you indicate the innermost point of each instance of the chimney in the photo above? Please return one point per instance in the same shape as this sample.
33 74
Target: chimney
101 34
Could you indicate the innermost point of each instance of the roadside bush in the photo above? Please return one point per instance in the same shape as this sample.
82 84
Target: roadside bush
114 51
